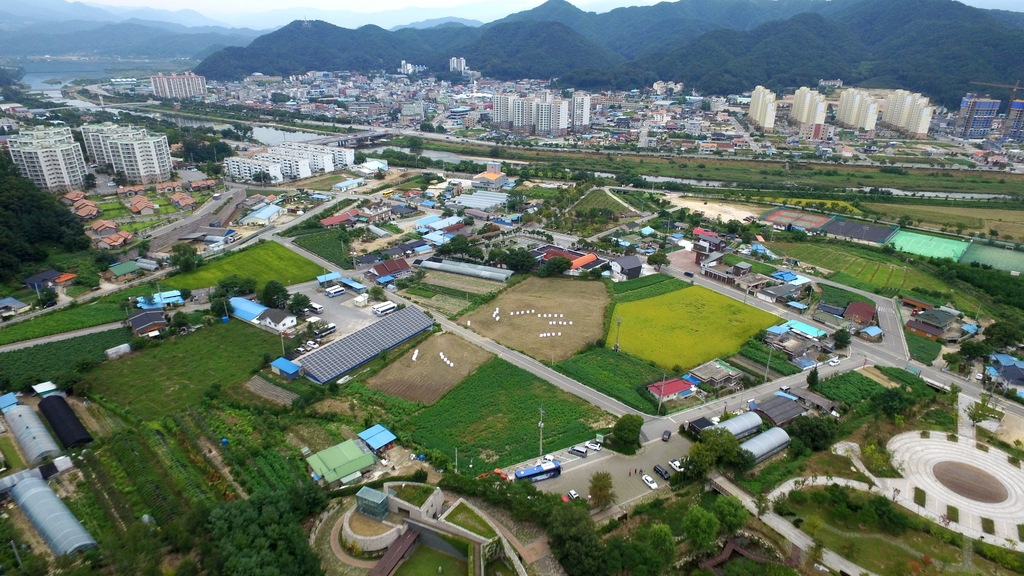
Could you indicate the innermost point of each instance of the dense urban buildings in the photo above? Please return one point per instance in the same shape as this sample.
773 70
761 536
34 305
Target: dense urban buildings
342 157
184 85
144 158
857 110
762 108
49 157
908 112
975 117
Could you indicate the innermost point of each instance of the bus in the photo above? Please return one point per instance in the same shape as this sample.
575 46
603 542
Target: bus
334 291
546 470
384 308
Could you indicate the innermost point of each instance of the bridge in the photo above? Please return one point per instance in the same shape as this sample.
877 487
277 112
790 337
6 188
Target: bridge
349 140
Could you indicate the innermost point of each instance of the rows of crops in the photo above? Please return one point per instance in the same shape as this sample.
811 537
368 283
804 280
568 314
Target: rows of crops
327 246
759 353
618 375
147 480
188 480
839 297
920 389
637 283
659 289
56 361
849 387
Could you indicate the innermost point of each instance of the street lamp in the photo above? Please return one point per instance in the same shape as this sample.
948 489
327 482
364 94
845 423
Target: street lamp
618 324
540 425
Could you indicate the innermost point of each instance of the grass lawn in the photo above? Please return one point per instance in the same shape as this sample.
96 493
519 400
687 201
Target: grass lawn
685 328
922 349
492 416
426 561
755 266
617 375
601 200
158 381
265 261
11 456
464 516
415 494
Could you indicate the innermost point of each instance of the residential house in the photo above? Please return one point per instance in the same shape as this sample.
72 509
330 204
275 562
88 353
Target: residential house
781 293
376 212
141 206
197 185
86 209
836 311
916 304
628 267
871 334
346 217
122 272
147 322
10 306
704 246
70 198
394 268
168 187
41 280
102 228
183 201
673 389
119 239
716 373
862 313
924 329
277 320
130 191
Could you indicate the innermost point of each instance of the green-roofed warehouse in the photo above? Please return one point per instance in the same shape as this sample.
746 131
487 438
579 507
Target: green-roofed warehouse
341 464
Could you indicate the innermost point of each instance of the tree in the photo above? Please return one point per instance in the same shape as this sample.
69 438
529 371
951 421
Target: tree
812 377
657 539
762 503
90 181
842 338
377 293
574 541
554 266
701 528
221 306
1003 333
971 349
426 127
627 430
274 295
602 494
953 361
730 513
261 177
184 257
520 260
658 259
298 303
893 401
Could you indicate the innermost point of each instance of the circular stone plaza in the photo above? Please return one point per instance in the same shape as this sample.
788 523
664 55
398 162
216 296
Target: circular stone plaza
955 472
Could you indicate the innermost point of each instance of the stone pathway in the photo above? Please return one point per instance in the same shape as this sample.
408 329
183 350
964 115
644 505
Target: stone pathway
964 426
340 552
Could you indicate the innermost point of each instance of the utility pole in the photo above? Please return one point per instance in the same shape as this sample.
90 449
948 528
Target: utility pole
618 324
661 393
541 426
768 363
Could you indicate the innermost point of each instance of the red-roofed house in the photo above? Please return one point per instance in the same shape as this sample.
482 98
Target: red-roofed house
396 267
698 231
582 260
183 201
671 389
71 197
129 191
64 278
168 187
860 312
104 228
141 206
119 239
340 218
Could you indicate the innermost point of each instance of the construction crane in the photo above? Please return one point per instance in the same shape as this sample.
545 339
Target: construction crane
1013 97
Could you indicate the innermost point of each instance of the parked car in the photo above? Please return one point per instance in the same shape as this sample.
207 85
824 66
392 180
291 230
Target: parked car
573 495
666 435
833 362
660 471
675 465
593 446
785 388
979 376
649 481
688 274
549 458
312 345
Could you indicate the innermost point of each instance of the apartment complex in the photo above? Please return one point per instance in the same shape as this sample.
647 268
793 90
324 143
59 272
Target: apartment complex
541 114
857 110
581 112
762 108
457 64
241 168
49 157
908 112
184 85
290 165
318 161
1013 125
342 156
809 107
144 158
975 117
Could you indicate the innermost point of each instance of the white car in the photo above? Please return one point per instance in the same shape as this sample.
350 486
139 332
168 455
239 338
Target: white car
549 458
979 376
573 494
833 362
312 345
593 446
649 481
675 465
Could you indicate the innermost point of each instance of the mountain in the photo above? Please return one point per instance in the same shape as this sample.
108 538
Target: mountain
1015 18
189 18
433 22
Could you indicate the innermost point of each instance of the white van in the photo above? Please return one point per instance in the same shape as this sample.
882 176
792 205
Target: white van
384 308
578 451
334 291
316 308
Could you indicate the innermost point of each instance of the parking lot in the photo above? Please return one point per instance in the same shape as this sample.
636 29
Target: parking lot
576 472
338 310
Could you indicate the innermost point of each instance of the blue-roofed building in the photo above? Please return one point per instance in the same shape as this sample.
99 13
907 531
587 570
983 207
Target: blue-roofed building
777 330
353 285
871 333
436 238
263 216
385 280
970 328
647 231
990 370
428 203
806 330
329 277
378 437
349 184
784 276
323 197
1003 359
799 306
12 306
423 222
246 309
8 401
286 368
159 300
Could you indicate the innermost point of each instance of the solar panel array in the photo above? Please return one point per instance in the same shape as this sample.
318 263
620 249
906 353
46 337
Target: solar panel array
344 354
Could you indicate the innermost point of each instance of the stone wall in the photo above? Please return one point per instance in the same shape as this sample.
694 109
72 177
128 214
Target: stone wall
371 543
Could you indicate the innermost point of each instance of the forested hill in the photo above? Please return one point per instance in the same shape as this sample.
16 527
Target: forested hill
31 223
723 46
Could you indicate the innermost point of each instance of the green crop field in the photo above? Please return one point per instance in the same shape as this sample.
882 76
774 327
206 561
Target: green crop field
602 200
922 349
57 361
327 246
687 327
617 375
265 261
492 416
755 266
840 297
155 382
850 387
93 313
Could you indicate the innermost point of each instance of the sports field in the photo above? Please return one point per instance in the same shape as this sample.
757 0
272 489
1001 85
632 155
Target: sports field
931 246
806 220
999 258
686 328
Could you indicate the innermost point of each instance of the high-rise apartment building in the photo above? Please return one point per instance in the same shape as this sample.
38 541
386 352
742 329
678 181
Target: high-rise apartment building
242 168
144 158
457 64
1013 125
762 108
908 112
550 116
857 110
342 156
184 85
975 117
809 107
292 165
581 112
541 114
49 157
318 161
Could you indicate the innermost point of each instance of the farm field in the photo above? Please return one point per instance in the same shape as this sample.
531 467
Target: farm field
57 361
922 349
159 381
92 313
1007 222
460 282
327 246
849 387
755 266
492 416
265 261
686 328
579 302
617 375
601 200
429 378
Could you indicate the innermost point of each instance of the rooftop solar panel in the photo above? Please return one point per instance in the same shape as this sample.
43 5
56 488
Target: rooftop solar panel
344 354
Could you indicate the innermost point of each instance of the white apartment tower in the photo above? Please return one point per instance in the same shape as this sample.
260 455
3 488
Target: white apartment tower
762 108
857 109
457 64
245 168
342 156
49 157
184 85
144 158
292 166
550 116
318 161
581 112
809 106
908 112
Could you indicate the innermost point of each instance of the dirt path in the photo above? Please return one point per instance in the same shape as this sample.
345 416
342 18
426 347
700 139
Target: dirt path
340 553
218 462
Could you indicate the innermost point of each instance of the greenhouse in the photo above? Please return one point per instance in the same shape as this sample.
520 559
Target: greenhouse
766 444
64 422
51 518
743 425
35 441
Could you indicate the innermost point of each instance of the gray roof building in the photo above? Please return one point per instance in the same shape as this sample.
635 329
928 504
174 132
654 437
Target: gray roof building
36 443
55 523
